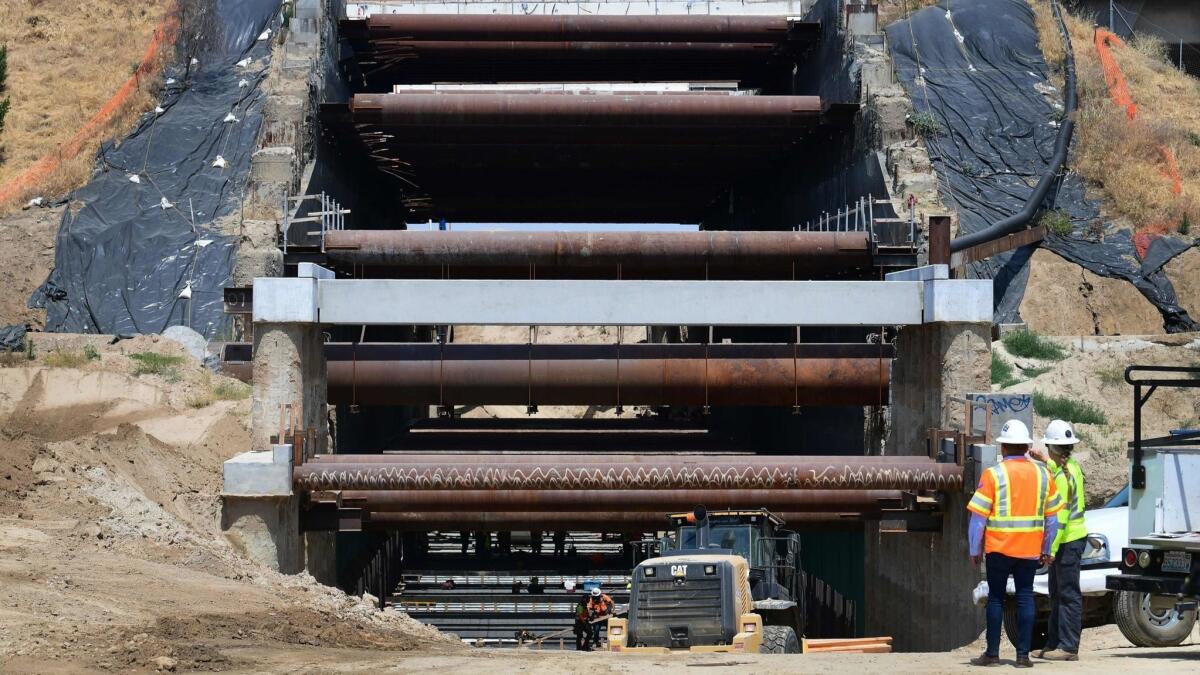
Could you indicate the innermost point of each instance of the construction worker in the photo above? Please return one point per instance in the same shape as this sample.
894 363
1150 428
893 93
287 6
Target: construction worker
583 631
1066 599
1013 521
599 606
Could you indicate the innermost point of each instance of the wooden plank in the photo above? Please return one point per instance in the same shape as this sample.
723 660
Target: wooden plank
991 248
863 649
845 642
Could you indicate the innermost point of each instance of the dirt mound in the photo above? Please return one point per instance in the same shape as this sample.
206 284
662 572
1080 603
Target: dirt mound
1092 373
111 553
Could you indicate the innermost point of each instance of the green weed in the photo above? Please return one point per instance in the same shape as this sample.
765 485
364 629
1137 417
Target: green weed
1030 345
1056 221
1002 372
1069 409
150 363
925 124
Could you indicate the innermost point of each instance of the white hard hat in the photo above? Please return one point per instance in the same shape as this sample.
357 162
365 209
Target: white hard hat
1059 432
1014 432
595 592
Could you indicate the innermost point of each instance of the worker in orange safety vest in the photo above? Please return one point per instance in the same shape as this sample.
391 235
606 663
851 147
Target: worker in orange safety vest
599 605
1014 521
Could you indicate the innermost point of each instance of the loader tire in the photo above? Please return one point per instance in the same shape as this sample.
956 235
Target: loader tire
1146 627
780 640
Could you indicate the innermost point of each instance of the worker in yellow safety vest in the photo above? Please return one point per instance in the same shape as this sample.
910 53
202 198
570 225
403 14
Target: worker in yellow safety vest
1066 599
1014 521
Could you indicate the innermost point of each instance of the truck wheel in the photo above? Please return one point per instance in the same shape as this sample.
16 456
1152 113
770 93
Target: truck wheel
780 640
1039 627
1147 627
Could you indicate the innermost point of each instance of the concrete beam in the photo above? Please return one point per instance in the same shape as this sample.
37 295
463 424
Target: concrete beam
617 303
259 474
613 303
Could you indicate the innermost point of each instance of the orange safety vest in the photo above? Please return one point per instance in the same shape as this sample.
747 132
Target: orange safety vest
1016 497
600 606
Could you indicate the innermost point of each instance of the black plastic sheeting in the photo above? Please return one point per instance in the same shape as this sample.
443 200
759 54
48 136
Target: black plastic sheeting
122 260
977 68
12 337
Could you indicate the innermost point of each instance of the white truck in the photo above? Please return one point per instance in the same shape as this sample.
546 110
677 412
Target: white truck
1160 565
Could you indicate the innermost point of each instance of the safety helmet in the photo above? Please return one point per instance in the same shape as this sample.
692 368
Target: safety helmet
1059 432
595 592
1014 432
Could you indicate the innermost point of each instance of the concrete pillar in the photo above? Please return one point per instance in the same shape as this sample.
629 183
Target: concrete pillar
289 369
265 530
918 585
261 514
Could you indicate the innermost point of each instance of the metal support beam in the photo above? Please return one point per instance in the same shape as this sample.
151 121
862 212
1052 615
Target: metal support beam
633 378
613 521
595 28
653 473
657 501
723 249
584 112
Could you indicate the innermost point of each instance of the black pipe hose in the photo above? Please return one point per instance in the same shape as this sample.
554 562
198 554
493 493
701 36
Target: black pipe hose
1062 144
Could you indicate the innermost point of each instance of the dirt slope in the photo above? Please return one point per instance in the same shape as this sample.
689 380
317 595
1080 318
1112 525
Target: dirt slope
27 241
1122 163
1063 298
1092 373
65 59
111 555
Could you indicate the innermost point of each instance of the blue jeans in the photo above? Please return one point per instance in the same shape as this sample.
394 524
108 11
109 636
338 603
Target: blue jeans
999 567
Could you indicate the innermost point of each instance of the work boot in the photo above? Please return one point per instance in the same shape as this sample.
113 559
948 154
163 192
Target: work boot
1060 655
985 660
1023 662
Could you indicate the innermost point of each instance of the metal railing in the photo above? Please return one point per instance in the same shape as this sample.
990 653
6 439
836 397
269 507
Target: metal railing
329 215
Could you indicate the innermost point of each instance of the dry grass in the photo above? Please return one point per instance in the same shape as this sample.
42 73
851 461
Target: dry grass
66 58
894 10
1119 157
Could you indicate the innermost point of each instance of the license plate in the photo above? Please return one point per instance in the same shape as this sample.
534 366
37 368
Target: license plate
1177 561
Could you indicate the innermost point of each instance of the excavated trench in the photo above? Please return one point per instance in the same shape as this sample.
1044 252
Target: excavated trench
747 128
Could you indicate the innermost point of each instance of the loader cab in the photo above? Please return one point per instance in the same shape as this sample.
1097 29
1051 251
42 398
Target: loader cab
757 535
724 581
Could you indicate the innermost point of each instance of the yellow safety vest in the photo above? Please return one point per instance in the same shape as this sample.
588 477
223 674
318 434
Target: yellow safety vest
1069 481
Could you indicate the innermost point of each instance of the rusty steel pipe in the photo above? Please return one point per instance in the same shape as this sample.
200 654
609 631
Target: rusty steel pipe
580 27
780 381
653 473
658 501
612 521
573 50
565 456
468 110
635 374
748 250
